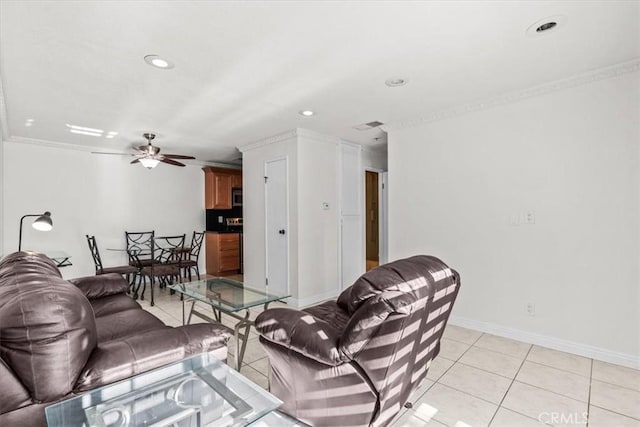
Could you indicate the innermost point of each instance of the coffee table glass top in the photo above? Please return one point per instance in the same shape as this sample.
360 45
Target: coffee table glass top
226 294
199 391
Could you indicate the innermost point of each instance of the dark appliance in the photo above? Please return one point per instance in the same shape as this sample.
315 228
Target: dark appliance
236 197
235 225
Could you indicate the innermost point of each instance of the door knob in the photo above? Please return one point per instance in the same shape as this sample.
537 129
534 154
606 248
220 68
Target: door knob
281 232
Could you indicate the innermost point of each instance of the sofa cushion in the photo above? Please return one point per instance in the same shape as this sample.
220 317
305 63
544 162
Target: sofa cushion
113 304
101 285
126 323
13 395
47 328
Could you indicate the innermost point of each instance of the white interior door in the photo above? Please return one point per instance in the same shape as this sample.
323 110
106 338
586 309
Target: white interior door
352 241
277 226
384 217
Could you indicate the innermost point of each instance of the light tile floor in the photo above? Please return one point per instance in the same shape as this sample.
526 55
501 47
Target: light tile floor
484 380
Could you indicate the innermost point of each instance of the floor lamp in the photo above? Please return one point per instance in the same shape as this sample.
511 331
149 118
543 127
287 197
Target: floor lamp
42 223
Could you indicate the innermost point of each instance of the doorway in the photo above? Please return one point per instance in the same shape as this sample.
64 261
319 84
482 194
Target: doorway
372 221
276 226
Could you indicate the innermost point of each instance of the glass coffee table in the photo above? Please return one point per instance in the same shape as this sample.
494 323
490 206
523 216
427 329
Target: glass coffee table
198 391
226 296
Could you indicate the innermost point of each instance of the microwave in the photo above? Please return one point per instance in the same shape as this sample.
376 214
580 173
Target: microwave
236 197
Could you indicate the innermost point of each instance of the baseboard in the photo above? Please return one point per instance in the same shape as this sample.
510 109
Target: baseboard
314 299
580 349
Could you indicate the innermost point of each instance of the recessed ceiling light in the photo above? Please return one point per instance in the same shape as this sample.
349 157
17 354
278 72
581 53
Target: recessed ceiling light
546 25
82 130
396 81
306 113
158 62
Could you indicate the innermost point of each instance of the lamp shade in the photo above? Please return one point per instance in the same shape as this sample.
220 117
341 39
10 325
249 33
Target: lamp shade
43 222
149 162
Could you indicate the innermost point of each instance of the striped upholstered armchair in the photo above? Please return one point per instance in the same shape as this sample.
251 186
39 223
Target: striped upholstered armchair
356 360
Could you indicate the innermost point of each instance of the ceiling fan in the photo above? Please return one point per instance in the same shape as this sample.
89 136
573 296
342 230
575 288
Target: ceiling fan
149 155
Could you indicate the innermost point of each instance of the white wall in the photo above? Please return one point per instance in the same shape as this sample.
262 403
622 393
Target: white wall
317 227
572 157
374 158
95 194
313 231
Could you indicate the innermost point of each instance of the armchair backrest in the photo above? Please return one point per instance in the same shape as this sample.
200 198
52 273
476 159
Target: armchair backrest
398 314
47 327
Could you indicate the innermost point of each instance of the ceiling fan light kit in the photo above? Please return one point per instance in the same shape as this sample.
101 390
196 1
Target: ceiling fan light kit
149 155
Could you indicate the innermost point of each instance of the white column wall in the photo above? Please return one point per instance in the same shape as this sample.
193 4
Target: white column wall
95 194
317 226
253 210
459 189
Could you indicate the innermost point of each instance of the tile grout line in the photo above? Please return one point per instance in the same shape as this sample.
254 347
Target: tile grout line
589 395
509 388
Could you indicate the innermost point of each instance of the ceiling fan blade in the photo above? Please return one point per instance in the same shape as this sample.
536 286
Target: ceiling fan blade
135 161
178 156
171 162
115 154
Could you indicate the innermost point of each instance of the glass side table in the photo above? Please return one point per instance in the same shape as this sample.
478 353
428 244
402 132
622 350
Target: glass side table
227 296
199 391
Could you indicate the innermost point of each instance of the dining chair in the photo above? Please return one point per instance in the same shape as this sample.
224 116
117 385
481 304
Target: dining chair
166 265
191 261
139 247
129 271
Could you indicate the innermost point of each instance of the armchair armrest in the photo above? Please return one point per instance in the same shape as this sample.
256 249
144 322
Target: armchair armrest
101 285
300 332
122 358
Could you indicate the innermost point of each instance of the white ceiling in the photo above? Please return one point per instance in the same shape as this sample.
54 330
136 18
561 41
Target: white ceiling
243 70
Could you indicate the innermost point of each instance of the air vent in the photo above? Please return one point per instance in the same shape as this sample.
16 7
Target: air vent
367 126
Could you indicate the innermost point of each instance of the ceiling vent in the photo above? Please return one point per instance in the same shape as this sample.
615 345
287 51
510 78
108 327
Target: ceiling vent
367 126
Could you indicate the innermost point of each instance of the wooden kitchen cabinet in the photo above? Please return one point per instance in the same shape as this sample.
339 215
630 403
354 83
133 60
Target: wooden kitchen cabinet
236 180
218 183
223 253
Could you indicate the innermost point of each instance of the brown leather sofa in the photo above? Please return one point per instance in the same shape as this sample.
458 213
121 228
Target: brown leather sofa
356 361
59 338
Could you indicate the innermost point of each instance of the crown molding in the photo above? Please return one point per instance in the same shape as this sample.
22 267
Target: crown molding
4 121
284 136
516 96
290 134
316 136
55 144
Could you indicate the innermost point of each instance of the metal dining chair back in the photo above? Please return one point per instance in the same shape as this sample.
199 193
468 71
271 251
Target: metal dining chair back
166 257
140 247
168 249
95 253
191 263
127 270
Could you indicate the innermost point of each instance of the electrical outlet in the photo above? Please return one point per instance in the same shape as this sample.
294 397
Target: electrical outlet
530 217
531 309
220 220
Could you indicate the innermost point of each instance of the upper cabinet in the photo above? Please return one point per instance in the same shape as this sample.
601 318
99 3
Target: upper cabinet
218 183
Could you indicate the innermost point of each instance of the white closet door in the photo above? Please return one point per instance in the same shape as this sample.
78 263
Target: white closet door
352 244
277 226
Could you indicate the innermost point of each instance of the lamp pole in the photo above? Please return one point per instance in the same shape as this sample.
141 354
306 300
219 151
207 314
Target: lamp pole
46 217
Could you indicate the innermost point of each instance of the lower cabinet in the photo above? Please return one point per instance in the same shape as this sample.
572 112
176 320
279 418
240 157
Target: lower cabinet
223 253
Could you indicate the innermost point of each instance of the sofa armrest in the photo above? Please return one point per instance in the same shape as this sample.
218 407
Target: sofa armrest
101 285
123 358
300 332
